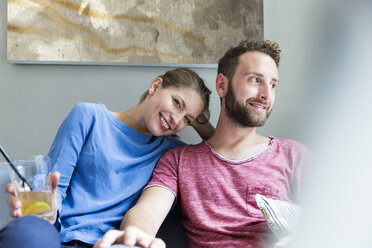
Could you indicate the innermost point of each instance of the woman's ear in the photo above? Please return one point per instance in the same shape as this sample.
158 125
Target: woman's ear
155 85
221 84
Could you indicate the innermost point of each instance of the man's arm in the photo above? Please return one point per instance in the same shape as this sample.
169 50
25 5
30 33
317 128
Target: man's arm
150 210
141 222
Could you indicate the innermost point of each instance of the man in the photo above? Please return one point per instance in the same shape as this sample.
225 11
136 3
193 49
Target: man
215 182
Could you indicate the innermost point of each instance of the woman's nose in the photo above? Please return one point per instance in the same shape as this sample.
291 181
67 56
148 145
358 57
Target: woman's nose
176 119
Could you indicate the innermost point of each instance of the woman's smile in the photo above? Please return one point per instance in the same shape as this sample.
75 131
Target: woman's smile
163 123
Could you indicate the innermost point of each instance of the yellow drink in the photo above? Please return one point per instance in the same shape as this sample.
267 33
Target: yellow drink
36 203
36 195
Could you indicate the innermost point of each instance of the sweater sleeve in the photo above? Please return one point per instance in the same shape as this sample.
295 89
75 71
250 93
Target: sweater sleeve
67 144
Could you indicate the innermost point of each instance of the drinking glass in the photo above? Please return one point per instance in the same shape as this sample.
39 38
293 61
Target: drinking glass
38 200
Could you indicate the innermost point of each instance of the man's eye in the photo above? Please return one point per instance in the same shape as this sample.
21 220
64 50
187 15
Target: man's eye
273 85
177 103
256 80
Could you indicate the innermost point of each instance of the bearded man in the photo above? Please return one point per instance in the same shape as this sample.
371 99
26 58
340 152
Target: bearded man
214 183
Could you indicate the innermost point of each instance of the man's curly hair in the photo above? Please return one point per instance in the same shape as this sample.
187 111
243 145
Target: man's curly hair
229 62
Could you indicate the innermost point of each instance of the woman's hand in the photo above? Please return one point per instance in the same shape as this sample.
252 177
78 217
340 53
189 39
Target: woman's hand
55 180
12 201
16 205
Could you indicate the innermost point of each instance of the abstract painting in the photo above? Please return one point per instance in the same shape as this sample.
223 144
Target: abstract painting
129 31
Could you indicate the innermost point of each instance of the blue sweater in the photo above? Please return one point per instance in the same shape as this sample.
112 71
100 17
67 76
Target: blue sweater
104 165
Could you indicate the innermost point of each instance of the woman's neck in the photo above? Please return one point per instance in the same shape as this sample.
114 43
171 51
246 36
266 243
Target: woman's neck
133 118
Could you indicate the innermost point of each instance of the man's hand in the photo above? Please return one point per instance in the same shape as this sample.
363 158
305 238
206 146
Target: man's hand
141 223
131 236
16 205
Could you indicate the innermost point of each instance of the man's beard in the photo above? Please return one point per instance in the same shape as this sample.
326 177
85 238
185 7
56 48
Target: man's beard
241 114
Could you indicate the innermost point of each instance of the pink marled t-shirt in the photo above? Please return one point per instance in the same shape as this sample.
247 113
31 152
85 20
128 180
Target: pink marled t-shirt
216 195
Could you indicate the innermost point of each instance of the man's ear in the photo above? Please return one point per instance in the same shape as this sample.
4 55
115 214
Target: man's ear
155 85
222 84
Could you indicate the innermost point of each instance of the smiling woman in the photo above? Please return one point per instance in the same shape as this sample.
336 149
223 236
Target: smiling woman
105 158
174 100
185 78
172 108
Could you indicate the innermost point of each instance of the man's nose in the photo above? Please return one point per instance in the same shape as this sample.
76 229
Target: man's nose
264 91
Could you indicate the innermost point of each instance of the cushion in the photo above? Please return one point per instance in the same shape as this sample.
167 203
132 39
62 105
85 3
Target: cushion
282 217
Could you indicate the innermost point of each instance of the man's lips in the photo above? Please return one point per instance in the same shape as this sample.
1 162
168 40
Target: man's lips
259 106
163 123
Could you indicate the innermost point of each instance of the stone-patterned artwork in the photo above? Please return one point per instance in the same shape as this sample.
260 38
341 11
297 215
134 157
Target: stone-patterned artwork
129 31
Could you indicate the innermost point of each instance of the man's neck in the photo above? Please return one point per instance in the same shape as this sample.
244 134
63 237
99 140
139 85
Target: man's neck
235 142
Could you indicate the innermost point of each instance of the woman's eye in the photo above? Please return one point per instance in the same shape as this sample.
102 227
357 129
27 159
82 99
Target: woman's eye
177 103
188 121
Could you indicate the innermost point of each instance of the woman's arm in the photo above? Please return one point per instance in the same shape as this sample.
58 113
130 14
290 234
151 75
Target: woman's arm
204 129
65 150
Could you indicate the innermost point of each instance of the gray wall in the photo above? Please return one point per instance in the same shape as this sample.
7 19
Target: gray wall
34 99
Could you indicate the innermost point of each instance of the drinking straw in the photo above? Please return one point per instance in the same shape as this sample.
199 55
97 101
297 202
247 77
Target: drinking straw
14 168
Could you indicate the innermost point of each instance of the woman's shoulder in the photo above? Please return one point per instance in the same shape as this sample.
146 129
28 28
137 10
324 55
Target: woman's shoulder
83 111
88 106
89 109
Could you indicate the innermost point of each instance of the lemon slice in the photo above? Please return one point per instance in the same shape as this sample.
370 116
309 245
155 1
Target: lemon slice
36 208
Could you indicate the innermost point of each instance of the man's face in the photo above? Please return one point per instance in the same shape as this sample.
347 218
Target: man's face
251 92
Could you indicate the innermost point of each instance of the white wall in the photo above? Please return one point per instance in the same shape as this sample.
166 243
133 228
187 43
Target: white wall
328 48
34 99
287 22
338 193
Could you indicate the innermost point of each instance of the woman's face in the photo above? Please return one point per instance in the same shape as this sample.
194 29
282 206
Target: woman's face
171 109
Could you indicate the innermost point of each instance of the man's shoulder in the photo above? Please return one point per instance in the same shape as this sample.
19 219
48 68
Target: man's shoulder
172 142
291 144
187 149
188 154
291 150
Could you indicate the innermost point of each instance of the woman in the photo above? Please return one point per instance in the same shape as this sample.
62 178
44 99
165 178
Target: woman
105 158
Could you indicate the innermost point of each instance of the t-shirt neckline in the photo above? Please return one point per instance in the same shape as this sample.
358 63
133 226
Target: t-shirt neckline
272 141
